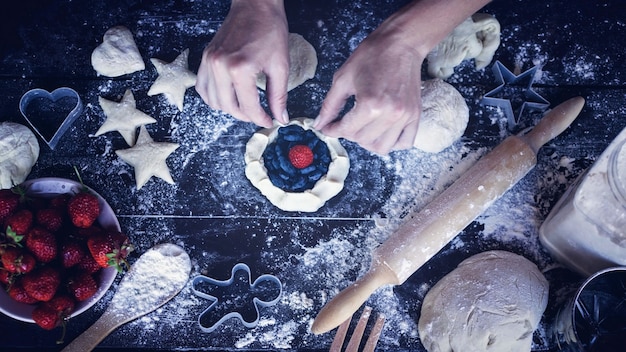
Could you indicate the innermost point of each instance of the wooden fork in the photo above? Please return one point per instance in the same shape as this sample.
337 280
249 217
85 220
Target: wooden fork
357 334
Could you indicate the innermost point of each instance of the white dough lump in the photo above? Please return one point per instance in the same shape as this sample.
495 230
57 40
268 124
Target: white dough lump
492 302
302 63
118 54
478 38
19 151
444 116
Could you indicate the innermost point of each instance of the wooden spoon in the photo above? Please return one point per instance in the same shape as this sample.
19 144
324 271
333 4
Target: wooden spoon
155 278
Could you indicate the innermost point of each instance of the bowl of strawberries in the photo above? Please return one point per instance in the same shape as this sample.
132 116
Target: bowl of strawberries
61 247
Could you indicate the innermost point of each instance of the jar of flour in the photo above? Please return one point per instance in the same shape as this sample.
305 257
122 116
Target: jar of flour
586 230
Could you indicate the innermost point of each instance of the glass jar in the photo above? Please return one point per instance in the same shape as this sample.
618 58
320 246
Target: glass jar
586 230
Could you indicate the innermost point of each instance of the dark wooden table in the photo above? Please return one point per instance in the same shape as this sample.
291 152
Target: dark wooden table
220 219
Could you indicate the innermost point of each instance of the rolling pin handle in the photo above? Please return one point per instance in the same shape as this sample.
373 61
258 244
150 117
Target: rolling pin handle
348 301
554 122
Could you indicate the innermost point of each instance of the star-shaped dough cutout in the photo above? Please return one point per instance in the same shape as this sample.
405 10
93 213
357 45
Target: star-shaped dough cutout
148 158
174 79
123 117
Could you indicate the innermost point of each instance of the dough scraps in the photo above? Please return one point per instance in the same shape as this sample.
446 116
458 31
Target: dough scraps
309 200
302 63
445 116
174 79
118 54
493 301
148 158
123 117
478 38
19 151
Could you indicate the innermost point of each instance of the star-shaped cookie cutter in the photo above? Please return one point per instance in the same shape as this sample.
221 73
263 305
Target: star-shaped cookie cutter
515 94
265 291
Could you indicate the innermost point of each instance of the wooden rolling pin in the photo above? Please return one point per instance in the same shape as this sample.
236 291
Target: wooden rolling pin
426 232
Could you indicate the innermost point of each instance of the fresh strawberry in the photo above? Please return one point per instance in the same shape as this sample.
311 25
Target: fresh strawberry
88 232
17 261
9 201
60 201
89 265
82 286
83 209
49 218
300 156
20 221
62 303
110 249
72 252
46 317
18 293
42 284
6 278
42 243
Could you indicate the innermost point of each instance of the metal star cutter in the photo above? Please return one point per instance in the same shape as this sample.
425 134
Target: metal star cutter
515 94
237 297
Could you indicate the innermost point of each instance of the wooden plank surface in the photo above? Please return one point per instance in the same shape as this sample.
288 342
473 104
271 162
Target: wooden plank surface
221 220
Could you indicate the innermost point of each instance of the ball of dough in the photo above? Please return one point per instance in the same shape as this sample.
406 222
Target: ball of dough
302 63
492 301
444 116
478 38
118 54
19 151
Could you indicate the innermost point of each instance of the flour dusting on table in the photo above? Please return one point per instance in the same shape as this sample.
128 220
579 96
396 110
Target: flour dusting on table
317 255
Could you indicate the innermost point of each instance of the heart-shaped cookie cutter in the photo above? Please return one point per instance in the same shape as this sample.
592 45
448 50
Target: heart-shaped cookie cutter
201 284
54 97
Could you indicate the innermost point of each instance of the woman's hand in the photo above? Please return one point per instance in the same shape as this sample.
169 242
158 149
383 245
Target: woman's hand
384 77
252 39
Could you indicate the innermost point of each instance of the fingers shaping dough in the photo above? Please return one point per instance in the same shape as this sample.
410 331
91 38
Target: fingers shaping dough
302 63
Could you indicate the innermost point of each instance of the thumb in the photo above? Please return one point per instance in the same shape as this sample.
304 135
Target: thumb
333 103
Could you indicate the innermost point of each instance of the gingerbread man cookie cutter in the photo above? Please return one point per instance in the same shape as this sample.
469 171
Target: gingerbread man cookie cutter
238 297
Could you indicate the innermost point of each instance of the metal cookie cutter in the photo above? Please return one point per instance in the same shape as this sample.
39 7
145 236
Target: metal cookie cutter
514 94
237 297
51 114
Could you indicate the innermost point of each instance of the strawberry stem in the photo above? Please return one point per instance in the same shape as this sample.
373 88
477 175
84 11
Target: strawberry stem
63 331
12 235
80 178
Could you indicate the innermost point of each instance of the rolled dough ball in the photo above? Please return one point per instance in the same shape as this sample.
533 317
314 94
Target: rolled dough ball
492 301
478 38
19 151
118 54
302 63
444 116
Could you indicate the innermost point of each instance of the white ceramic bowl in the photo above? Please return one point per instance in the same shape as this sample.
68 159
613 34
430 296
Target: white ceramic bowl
50 187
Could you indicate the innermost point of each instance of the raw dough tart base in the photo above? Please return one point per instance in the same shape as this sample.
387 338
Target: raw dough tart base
310 200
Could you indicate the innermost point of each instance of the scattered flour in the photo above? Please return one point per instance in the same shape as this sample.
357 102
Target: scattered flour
314 267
